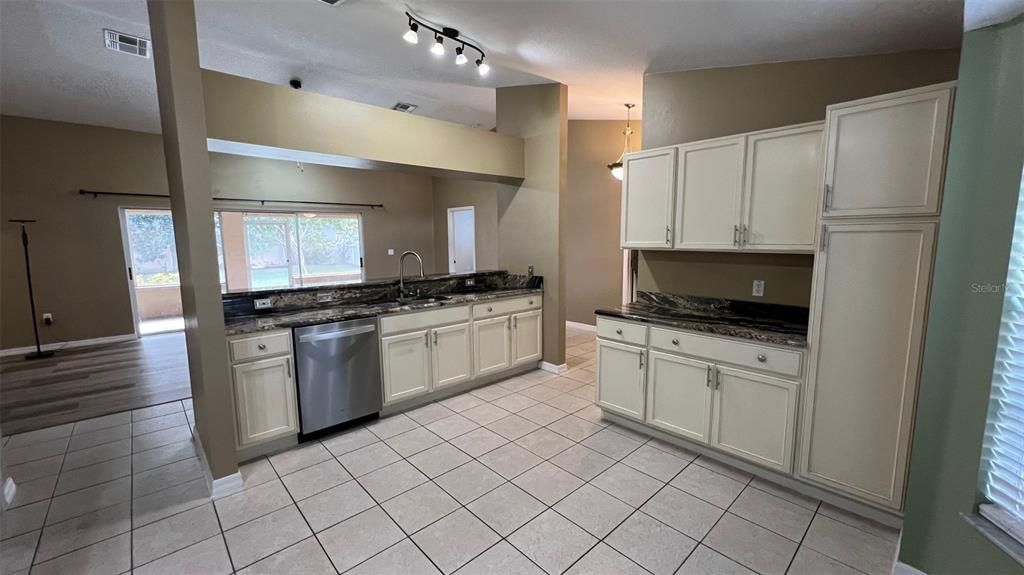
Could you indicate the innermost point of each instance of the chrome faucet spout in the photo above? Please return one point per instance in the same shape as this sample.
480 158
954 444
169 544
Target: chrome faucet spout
401 270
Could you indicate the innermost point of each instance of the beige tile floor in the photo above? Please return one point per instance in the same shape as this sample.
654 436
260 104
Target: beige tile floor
522 476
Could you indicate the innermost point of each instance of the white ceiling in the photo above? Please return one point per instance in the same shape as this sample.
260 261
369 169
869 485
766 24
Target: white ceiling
53 64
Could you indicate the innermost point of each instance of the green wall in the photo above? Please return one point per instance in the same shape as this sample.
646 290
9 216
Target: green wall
982 185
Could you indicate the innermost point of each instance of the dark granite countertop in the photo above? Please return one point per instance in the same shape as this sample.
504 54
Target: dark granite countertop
775 325
304 317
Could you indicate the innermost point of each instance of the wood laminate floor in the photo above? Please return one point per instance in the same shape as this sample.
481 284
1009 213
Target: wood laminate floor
82 383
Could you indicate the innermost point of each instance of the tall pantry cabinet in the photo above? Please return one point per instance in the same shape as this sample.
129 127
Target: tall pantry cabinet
884 164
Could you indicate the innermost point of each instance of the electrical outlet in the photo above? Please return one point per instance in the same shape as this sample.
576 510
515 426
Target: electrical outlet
391 251
470 282
264 303
48 318
758 288
324 297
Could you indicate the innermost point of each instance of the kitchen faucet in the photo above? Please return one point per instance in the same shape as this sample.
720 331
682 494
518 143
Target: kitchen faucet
401 270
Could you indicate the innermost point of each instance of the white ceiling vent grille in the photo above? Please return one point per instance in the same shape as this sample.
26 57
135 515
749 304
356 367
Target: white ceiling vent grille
404 107
126 43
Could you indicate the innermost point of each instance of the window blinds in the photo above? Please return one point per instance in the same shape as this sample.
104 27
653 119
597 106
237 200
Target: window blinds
1002 467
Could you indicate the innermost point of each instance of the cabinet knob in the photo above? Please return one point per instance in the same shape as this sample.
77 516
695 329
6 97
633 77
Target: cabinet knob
618 331
489 308
675 342
762 357
531 302
262 347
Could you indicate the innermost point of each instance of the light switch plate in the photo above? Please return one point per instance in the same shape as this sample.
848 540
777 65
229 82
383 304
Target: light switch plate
391 251
758 288
264 303
324 297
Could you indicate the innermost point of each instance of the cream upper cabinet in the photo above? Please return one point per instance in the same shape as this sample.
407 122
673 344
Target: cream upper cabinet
782 187
491 345
886 154
868 312
450 355
755 417
265 397
406 365
648 191
620 379
679 395
527 337
709 192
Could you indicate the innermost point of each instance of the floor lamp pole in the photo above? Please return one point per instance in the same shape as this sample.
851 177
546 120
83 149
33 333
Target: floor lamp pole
38 353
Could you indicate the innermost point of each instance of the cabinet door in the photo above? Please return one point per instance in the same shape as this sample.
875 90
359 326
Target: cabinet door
886 154
491 346
868 313
452 359
620 379
527 337
781 190
406 363
648 190
754 417
709 192
679 395
265 400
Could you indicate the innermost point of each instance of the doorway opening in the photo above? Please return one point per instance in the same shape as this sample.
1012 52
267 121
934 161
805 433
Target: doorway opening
461 240
152 270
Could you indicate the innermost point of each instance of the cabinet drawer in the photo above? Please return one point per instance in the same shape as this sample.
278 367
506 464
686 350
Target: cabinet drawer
506 306
423 319
752 356
615 330
259 346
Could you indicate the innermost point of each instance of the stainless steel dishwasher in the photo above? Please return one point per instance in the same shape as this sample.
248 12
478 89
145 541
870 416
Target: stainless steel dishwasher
338 370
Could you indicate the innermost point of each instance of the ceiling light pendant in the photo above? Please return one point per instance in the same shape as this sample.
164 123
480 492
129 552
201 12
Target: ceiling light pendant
460 58
482 67
616 166
410 35
438 48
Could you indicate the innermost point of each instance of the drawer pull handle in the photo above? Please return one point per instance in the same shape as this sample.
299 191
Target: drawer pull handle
489 308
762 357
261 347
618 331
675 342
531 302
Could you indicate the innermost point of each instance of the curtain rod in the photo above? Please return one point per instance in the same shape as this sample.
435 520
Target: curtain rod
96 194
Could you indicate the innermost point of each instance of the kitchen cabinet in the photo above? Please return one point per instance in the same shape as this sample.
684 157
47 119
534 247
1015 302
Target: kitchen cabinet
526 337
648 192
492 345
868 313
679 395
709 190
265 400
754 417
450 355
886 155
620 379
782 188
406 365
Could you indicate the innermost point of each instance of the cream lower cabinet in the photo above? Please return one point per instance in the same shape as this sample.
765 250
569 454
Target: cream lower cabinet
450 355
679 395
406 365
264 388
620 378
492 345
754 417
526 337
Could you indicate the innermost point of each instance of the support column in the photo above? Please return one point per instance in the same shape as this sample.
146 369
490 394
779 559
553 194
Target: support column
531 216
183 121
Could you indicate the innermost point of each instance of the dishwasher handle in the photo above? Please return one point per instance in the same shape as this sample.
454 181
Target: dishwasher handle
337 334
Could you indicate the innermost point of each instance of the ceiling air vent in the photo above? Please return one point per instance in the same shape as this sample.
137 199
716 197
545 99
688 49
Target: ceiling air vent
332 2
404 107
126 43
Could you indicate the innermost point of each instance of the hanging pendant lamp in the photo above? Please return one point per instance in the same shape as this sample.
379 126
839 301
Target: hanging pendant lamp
616 166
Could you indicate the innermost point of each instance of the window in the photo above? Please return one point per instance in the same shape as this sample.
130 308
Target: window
280 250
154 260
1002 460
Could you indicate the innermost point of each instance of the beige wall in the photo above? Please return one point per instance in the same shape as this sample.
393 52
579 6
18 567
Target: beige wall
593 259
531 216
688 106
457 193
78 263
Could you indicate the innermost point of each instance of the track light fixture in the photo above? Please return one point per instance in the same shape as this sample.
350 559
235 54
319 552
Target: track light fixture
412 36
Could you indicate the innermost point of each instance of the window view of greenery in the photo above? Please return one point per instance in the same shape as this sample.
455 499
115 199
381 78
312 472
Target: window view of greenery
151 235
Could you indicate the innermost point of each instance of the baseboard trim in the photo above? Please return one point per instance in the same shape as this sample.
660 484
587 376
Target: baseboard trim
225 485
68 344
581 326
10 489
901 568
552 368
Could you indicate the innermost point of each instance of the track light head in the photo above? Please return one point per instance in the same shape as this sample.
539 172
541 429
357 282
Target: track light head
410 35
460 58
438 48
482 67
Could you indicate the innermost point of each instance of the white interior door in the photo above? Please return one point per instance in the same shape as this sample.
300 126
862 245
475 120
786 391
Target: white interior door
461 240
